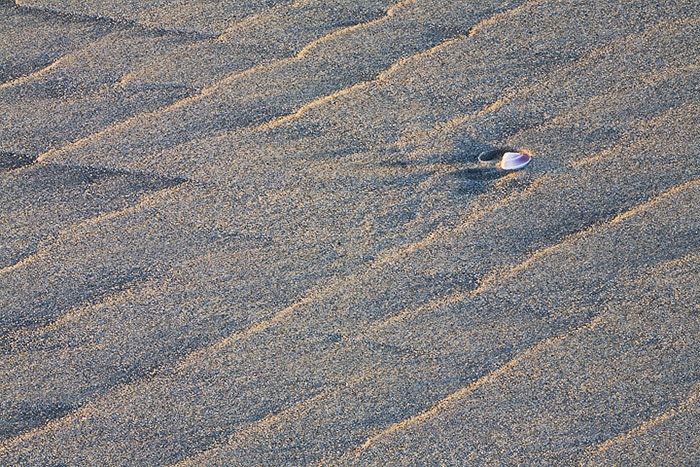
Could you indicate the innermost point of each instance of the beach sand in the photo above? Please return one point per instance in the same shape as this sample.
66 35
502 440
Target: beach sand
257 232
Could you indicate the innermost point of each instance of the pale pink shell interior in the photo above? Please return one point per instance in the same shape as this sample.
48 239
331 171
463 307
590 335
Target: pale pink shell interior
514 160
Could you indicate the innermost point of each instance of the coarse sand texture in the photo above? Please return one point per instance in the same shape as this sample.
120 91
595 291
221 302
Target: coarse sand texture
282 233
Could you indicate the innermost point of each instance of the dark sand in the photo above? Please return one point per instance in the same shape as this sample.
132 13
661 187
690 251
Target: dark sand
257 233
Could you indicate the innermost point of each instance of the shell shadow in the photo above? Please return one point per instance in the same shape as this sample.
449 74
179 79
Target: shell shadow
471 161
479 173
487 168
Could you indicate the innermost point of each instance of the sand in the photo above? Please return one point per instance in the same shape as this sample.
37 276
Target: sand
257 233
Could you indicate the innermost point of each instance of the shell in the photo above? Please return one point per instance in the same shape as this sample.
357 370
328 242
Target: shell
514 160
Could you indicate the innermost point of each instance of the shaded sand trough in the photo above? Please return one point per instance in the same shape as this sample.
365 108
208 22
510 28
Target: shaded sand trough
256 233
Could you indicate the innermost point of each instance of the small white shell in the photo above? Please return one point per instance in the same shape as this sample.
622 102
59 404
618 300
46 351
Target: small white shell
514 160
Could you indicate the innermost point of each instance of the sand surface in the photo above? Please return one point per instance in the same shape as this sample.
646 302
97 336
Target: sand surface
257 233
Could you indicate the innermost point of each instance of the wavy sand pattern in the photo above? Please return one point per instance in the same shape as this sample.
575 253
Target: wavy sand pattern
256 232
